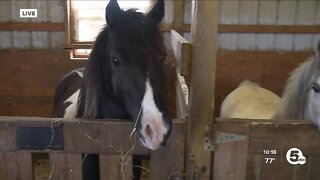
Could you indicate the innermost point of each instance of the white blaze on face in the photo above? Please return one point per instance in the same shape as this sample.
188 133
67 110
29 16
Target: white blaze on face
71 110
153 128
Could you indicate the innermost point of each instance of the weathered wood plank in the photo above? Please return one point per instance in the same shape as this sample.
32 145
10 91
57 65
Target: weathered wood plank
11 105
282 137
230 159
31 26
33 69
313 163
114 167
178 14
202 83
277 135
99 137
8 137
22 72
277 170
168 162
261 28
16 166
270 135
65 166
80 136
182 54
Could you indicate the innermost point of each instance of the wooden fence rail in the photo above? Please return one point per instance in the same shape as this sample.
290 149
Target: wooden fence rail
67 140
261 136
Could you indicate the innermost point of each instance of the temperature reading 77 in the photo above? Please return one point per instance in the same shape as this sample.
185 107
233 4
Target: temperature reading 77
269 160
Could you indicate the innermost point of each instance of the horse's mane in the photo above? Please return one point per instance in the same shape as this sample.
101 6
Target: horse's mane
146 38
93 75
294 98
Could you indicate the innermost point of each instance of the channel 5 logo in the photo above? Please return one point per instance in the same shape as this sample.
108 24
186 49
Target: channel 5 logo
295 156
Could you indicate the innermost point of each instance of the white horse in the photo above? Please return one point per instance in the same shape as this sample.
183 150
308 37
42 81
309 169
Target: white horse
300 100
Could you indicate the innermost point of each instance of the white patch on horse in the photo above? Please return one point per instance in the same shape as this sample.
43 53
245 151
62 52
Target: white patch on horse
153 127
71 110
79 73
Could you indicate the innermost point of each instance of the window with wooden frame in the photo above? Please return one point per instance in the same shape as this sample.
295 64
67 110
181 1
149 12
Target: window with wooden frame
86 18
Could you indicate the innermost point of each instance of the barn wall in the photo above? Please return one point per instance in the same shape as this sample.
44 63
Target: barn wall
273 12
269 13
48 11
52 11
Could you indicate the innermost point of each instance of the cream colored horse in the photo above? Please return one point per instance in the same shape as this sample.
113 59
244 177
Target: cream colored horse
250 101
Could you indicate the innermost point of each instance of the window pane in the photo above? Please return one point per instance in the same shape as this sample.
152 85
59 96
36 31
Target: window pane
88 29
89 16
82 52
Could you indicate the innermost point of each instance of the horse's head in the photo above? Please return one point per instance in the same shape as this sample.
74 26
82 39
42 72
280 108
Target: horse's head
312 110
135 53
301 97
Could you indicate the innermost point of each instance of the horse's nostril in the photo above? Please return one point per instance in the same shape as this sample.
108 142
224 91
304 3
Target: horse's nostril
149 131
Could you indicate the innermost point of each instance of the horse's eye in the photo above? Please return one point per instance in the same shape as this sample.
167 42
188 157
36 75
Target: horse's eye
315 88
115 61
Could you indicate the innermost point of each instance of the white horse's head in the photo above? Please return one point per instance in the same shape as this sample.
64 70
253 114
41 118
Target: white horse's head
301 97
312 109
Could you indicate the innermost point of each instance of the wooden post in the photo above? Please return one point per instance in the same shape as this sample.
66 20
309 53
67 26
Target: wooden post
178 15
204 37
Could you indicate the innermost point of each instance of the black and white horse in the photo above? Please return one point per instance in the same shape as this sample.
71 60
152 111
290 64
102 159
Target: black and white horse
123 76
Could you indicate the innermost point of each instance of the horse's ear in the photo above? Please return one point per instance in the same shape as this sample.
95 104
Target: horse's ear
157 12
112 12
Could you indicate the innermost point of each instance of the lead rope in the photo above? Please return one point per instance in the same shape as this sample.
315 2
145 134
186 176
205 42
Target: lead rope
135 124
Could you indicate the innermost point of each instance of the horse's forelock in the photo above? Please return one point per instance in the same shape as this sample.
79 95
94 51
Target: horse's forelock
140 38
